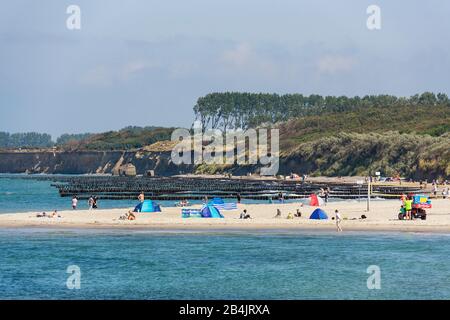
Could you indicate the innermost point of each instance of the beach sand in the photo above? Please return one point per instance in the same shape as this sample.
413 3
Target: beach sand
382 217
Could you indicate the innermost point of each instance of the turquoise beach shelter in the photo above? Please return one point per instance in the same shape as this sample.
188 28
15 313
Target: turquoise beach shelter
318 214
150 206
211 212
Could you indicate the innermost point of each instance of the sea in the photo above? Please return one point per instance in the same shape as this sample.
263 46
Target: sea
39 263
19 193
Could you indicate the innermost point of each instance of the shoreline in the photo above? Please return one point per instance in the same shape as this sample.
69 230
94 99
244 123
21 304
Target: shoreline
234 229
381 218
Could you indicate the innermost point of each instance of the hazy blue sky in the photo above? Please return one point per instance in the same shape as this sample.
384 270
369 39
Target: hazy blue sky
146 62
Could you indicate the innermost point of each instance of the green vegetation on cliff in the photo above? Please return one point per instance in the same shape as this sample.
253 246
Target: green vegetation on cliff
407 139
421 120
127 138
410 155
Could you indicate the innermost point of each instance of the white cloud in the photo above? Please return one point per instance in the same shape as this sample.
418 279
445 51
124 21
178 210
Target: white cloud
239 56
104 76
245 58
99 76
135 67
332 64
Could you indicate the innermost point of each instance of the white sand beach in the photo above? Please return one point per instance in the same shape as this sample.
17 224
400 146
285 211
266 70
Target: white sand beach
382 217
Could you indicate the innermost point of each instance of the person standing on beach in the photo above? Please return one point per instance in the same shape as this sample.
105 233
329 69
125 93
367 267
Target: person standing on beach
337 216
141 198
327 195
281 197
408 208
94 203
74 202
435 189
238 196
91 202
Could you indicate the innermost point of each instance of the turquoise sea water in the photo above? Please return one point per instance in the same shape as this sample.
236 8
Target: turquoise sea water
24 195
230 265
137 264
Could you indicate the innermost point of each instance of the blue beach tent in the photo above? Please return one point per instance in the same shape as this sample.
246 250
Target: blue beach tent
147 206
318 214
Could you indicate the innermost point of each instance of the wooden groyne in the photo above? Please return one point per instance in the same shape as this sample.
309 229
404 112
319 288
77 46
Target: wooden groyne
177 188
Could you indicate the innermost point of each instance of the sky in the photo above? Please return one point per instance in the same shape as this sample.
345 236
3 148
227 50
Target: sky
146 62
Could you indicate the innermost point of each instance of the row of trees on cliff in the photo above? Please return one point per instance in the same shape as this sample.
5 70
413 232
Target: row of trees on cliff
233 110
37 140
28 139
126 138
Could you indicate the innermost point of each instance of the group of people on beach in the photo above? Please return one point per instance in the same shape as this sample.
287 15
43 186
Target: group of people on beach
131 214
289 216
445 189
55 214
92 202
325 194
182 203
298 214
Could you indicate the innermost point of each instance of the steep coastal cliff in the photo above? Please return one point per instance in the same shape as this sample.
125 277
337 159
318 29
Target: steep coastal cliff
85 162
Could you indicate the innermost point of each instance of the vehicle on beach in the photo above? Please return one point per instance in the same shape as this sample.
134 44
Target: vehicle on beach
420 203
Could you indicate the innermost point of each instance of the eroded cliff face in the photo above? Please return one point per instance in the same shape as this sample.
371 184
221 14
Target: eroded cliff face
88 162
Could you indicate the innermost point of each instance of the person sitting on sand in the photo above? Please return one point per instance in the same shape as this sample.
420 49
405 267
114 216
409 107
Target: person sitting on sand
128 216
54 215
298 214
403 211
290 216
244 215
278 215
